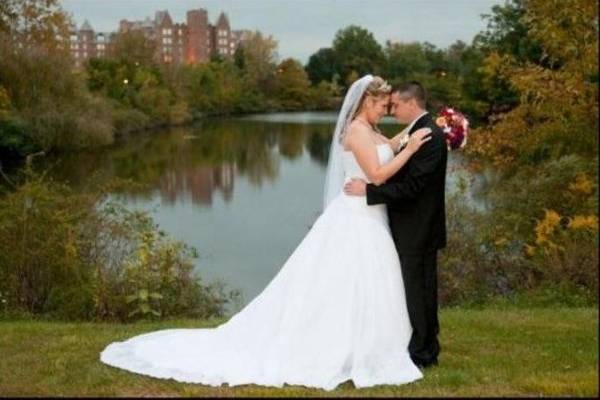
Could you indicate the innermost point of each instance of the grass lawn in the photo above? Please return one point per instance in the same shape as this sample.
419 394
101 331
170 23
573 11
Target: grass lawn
485 352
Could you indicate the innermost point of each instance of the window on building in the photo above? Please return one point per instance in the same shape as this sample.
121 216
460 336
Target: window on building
167 31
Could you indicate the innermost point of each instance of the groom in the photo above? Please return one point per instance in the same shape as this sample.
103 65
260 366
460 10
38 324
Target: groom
415 201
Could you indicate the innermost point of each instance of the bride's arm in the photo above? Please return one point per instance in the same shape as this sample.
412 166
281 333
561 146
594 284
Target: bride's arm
365 151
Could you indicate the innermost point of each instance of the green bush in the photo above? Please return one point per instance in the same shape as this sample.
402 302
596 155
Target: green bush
83 256
14 141
518 251
50 106
71 302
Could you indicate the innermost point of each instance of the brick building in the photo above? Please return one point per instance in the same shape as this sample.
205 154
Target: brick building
194 41
86 43
198 50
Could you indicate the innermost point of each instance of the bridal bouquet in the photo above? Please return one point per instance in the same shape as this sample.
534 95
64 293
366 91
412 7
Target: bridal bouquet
455 126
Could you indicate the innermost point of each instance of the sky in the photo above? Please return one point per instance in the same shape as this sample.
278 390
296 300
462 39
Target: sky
301 27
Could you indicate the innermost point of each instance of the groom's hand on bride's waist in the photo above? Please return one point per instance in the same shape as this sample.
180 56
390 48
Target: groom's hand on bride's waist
356 187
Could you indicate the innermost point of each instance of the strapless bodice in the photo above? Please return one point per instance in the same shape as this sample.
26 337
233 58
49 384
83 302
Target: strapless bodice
353 170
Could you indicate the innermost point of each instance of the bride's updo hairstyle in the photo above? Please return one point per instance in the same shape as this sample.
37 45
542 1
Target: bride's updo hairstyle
377 88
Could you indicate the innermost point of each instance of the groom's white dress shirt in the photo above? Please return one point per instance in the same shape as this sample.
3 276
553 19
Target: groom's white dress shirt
415 121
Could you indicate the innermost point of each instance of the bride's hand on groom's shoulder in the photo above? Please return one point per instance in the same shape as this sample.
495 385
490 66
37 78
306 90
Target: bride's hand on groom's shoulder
418 138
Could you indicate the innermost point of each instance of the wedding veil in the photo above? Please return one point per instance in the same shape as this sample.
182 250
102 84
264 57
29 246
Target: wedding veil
334 180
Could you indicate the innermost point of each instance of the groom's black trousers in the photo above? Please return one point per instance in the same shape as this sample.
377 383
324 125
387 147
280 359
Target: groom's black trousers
419 272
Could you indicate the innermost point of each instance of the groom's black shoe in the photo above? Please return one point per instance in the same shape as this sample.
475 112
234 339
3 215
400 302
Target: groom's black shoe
425 364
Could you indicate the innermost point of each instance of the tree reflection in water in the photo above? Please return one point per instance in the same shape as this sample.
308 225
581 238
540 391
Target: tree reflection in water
196 161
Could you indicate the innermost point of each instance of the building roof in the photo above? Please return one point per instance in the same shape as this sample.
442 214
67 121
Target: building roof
198 11
163 18
223 20
86 26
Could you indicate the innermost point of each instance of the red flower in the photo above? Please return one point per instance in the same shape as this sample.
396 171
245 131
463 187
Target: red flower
455 127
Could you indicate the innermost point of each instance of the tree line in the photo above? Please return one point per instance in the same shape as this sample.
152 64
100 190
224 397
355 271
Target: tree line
44 107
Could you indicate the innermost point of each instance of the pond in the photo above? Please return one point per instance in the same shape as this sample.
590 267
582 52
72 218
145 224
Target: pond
243 191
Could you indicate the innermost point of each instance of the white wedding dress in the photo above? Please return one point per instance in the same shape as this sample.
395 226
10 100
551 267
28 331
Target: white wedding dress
335 311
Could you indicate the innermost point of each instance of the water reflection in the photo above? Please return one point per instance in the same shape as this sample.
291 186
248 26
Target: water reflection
192 163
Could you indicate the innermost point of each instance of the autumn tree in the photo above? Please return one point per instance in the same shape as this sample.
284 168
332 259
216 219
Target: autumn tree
35 22
556 105
50 107
132 48
292 84
544 200
258 60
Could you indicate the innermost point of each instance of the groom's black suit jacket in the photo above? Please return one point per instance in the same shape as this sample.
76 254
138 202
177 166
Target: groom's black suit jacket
415 195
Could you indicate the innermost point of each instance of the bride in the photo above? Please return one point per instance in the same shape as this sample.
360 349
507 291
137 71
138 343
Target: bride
335 311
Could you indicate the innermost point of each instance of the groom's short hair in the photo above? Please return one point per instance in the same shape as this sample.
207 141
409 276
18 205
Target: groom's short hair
412 90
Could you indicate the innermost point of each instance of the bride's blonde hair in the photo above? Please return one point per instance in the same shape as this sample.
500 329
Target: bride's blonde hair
377 88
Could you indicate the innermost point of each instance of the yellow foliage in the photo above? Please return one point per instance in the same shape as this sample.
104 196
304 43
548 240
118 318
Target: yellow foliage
551 99
583 185
584 222
530 250
567 29
545 228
